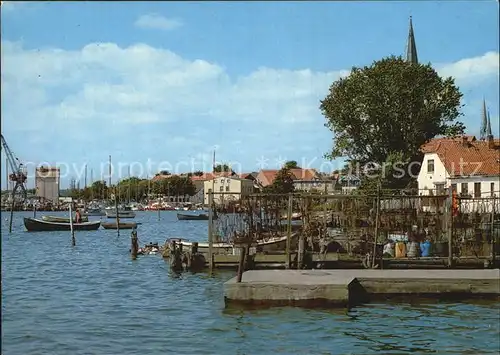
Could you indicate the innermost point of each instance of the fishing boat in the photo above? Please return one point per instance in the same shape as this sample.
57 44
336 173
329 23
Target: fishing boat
273 243
121 214
194 217
39 225
61 219
121 225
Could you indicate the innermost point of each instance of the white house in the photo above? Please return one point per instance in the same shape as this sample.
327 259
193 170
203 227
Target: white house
468 166
228 188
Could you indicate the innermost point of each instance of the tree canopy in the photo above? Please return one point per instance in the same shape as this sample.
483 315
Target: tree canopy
291 164
384 112
283 183
219 168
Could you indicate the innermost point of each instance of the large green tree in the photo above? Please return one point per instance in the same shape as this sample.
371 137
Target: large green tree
384 112
291 164
219 168
283 182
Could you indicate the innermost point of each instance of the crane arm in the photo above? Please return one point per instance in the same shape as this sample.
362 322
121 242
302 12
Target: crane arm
10 156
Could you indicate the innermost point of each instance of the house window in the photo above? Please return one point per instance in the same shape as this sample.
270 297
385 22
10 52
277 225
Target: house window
477 190
227 188
430 165
463 189
439 189
221 189
454 187
492 189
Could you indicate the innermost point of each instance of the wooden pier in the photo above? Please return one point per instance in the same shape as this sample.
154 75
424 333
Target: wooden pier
334 260
351 287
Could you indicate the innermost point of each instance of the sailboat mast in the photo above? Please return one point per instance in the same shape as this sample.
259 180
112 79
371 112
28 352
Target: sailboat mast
149 188
128 197
109 177
91 183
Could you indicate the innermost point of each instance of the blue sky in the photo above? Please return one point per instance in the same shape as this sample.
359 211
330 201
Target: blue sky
169 82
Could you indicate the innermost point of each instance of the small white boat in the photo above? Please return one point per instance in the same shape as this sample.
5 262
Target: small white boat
275 243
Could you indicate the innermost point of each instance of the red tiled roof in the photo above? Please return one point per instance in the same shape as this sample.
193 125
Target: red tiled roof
266 177
210 176
466 156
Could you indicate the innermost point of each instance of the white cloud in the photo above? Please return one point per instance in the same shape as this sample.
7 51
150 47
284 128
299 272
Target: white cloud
105 96
472 70
158 22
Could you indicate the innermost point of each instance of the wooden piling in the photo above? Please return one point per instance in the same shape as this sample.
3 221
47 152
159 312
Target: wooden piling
73 240
288 230
241 266
300 256
210 230
134 247
194 248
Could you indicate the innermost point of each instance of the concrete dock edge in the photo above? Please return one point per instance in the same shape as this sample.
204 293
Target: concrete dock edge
340 288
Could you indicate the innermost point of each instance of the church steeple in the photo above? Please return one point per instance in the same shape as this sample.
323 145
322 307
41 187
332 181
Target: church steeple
488 127
484 122
411 47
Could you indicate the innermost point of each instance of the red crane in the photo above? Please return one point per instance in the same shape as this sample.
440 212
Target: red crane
18 175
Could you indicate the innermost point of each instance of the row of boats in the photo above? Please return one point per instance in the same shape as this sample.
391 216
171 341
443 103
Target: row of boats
53 223
58 223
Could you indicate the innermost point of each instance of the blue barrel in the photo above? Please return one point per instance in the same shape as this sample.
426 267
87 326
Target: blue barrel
425 248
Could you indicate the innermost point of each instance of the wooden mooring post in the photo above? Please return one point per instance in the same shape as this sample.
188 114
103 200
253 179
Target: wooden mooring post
134 244
288 230
241 265
73 240
210 231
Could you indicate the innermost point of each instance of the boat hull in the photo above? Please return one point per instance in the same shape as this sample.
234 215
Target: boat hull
121 214
271 244
61 219
194 217
111 225
39 225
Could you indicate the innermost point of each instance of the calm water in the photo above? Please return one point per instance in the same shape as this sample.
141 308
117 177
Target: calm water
92 299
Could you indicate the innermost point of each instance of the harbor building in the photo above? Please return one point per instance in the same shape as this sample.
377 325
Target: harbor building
228 189
47 183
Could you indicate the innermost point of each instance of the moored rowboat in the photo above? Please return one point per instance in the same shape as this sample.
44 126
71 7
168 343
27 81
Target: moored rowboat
125 225
194 217
39 225
61 219
273 243
121 214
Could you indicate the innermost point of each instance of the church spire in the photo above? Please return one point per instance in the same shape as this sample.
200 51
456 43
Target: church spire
411 47
488 127
484 122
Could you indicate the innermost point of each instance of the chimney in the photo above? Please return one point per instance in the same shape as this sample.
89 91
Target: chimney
465 141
